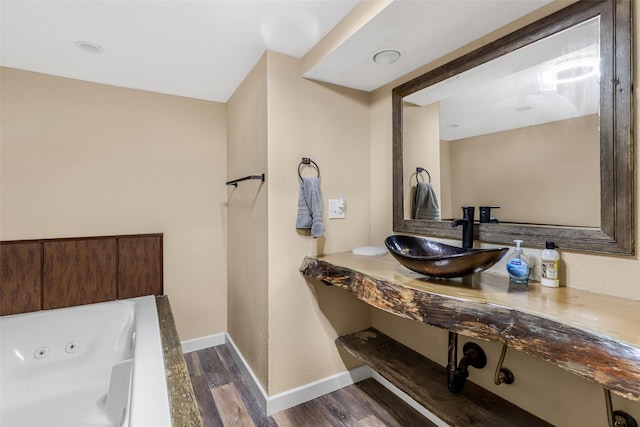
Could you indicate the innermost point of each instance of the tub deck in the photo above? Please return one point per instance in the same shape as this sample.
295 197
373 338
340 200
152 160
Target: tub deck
182 400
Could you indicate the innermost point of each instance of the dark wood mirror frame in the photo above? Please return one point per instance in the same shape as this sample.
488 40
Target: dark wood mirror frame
617 161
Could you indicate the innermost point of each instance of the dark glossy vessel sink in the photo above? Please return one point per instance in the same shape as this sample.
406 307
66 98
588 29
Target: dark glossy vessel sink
436 259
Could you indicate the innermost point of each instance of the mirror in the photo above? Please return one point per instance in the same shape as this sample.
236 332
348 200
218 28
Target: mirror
513 127
538 123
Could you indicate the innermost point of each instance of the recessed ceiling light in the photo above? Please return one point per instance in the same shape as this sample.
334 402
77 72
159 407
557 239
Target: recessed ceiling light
386 56
89 47
572 70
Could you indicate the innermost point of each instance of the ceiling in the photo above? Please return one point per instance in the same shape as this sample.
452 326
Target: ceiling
203 49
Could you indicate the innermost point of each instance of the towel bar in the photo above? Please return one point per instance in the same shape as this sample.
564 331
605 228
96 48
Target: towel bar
236 181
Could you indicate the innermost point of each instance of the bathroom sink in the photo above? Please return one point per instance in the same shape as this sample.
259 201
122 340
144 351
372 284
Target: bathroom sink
436 259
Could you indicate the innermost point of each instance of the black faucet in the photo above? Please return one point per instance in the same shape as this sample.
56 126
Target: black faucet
468 213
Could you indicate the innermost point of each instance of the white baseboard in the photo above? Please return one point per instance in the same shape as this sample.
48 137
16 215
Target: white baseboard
307 392
247 374
203 342
290 398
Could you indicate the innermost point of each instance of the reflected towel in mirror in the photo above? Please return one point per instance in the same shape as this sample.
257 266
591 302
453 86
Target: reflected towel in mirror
310 207
425 202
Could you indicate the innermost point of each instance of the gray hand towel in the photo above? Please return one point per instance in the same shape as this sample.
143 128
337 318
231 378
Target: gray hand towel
310 207
425 202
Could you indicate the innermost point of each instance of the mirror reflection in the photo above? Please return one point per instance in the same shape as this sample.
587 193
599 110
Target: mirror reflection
521 132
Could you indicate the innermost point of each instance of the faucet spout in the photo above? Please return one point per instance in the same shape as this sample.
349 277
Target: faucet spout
468 213
457 222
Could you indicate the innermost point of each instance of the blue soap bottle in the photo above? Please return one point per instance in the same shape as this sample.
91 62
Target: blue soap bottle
518 265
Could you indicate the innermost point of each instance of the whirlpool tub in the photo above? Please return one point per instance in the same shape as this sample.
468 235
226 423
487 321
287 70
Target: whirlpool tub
92 365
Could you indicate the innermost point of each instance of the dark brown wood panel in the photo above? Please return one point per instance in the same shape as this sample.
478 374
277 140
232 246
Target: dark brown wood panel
139 266
54 273
21 277
78 272
426 382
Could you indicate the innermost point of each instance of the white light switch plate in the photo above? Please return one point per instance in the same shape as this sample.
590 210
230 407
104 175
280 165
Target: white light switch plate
336 210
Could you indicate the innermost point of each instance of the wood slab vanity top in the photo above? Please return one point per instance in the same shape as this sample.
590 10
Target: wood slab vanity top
594 336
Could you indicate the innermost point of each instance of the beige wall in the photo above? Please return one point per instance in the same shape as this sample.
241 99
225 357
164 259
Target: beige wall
543 174
302 119
447 208
248 267
83 159
381 173
421 149
549 392
330 125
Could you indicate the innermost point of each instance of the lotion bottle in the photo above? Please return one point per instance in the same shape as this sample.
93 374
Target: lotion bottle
549 264
518 265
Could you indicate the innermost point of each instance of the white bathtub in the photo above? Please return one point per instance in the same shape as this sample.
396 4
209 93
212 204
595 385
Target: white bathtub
92 365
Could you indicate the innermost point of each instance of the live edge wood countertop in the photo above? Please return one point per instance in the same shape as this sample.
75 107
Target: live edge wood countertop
594 336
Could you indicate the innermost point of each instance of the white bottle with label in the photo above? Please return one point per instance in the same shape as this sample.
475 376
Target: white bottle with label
549 265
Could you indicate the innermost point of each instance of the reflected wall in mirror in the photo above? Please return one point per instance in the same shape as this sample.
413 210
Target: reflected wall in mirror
537 123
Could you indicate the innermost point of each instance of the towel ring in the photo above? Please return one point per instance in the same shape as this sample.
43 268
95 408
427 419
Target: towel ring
418 170
307 161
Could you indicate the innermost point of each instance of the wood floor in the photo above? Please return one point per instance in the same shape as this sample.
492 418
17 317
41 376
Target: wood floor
224 399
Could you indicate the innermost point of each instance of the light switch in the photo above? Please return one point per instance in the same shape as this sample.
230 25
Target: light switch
337 208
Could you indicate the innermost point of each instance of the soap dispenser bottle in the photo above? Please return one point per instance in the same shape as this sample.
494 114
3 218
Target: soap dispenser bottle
518 265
